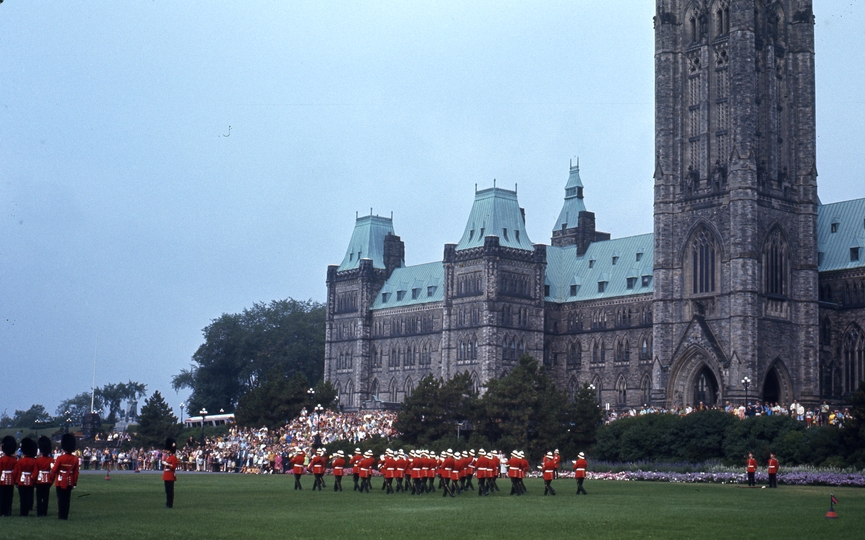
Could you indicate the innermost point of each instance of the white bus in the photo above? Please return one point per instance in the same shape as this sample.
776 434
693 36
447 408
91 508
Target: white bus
209 420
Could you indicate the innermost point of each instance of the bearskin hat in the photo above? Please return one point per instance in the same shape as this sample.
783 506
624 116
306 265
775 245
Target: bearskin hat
67 443
28 447
44 446
10 445
170 444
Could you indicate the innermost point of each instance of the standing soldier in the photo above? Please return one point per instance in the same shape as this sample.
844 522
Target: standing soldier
43 476
25 475
7 475
169 465
580 472
338 465
366 465
549 469
389 471
297 467
355 464
317 465
752 470
773 471
65 475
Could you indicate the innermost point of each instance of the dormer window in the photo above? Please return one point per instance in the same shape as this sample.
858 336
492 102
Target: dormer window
639 256
602 286
580 192
384 296
430 290
482 232
631 282
517 234
351 256
615 260
415 294
591 263
835 227
574 289
546 290
400 295
505 233
471 234
647 280
854 254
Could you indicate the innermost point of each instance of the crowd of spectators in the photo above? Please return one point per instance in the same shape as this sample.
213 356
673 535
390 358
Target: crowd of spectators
821 415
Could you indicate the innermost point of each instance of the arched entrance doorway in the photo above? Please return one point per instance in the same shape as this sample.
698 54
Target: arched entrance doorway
771 388
705 388
777 386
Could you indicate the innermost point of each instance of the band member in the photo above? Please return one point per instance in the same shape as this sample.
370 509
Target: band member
524 470
430 463
495 470
7 475
338 465
317 465
380 467
366 464
773 471
549 470
297 467
169 465
580 466
389 471
399 472
482 465
65 475
43 477
447 470
355 464
557 457
514 472
25 475
752 469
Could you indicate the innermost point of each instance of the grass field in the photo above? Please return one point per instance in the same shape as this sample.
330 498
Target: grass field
244 506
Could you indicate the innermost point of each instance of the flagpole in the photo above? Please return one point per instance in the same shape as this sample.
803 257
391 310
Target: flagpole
93 384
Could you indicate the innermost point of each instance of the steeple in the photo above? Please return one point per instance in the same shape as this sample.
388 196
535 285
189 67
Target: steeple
576 225
573 200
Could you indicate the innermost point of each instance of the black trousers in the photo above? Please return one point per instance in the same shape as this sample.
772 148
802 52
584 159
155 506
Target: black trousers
580 488
7 493
773 480
25 495
64 496
43 492
751 481
169 494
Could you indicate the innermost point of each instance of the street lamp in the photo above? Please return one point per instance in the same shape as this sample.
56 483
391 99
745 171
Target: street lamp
68 420
746 382
182 405
203 413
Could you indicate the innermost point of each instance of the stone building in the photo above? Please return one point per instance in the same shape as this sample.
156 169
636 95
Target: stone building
746 274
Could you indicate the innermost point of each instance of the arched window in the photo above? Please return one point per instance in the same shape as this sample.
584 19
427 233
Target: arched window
574 354
475 349
348 396
476 384
596 352
703 259
644 349
626 351
621 391
572 389
775 264
408 387
646 389
853 358
373 388
392 392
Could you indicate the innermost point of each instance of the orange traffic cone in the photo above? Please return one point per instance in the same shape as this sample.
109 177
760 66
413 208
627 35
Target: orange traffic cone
832 502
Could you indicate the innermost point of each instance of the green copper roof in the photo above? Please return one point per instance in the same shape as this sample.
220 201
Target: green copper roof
412 285
573 201
367 242
615 263
845 247
496 212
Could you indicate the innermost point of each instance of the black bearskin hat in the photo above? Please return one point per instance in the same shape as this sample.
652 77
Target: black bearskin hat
67 443
170 445
28 447
10 445
45 446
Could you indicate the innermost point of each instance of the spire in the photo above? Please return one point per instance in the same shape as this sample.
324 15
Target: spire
573 204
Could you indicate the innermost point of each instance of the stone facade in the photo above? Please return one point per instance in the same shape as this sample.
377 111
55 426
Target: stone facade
735 285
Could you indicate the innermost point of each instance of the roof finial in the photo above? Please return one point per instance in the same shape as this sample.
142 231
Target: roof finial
494 182
370 211
515 187
356 214
391 215
578 163
476 187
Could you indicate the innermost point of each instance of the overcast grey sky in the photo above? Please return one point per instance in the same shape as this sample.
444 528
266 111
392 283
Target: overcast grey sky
164 162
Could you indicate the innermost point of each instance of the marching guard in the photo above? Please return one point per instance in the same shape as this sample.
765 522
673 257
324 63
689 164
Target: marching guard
317 465
366 465
25 475
355 467
297 467
43 476
548 468
580 466
338 465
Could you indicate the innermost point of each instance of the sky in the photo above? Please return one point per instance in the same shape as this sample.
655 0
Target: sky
163 163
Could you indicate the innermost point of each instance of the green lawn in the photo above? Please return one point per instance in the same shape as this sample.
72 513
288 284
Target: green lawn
235 506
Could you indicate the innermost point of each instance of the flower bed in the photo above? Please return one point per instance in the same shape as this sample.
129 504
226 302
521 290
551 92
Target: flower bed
791 478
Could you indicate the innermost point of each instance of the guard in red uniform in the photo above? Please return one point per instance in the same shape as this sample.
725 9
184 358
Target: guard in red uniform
65 475
7 475
548 468
169 465
399 471
366 464
752 470
338 465
557 457
43 477
389 471
355 467
495 470
297 467
514 472
773 471
25 475
482 464
317 465
447 470
580 466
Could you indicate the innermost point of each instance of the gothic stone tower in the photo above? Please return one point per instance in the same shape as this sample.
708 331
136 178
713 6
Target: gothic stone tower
735 209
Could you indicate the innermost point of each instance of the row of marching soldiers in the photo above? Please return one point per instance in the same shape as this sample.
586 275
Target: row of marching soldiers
34 475
416 472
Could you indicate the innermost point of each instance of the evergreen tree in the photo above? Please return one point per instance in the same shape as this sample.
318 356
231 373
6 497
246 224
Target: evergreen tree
273 402
434 408
156 422
583 417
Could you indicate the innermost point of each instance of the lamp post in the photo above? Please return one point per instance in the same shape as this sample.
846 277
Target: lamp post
746 382
68 420
203 413
182 405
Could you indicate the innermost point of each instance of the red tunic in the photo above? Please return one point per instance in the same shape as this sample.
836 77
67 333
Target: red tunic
483 465
338 466
355 459
7 470
65 471
752 465
169 465
415 468
514 467
401 465
495 466
318 464
366 467
297 463
549 468
389 467
26 472
43 464
773 466
580 468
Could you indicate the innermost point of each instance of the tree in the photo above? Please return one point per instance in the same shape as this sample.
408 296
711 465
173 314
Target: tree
78 406
854 428
325 394
273 402
583 417
36 414
156 422
241 349
432 411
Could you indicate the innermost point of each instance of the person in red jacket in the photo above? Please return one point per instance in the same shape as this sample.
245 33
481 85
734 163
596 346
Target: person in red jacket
495 470
366 464
297 467
752 469
548 468
773 471
389 471
7 475
25 475
317 466
338 465
169 465
482 464
355 467
399 471
580 466
447 469
64 474
43 477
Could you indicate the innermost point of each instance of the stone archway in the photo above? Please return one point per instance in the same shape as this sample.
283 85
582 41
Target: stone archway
695 377
777 386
